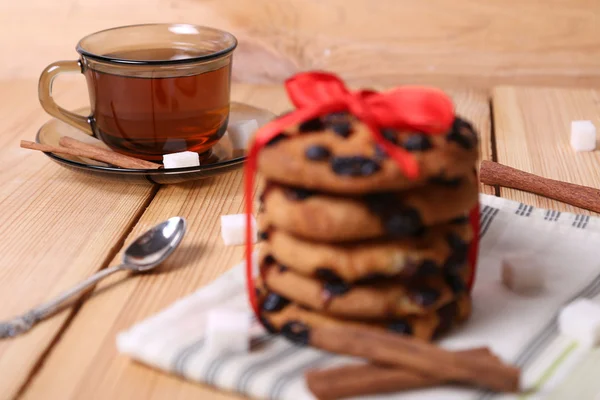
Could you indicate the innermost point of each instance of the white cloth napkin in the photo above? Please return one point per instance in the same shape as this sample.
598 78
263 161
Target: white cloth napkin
520 329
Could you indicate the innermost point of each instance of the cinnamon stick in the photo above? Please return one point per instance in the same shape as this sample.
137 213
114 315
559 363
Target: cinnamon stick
492 173
418 356
135 163
369 379
96 153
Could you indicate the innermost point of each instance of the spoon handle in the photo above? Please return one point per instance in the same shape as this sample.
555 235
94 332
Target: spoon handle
23 323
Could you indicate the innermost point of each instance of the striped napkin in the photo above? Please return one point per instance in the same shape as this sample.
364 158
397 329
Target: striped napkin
520 329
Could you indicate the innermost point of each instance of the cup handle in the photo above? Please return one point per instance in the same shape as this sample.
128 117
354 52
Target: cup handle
45 94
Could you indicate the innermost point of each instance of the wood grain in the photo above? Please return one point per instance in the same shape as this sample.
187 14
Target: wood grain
96 370
532 129
458 43
54 231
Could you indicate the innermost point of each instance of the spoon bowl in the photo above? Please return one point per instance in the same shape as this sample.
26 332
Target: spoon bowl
153 247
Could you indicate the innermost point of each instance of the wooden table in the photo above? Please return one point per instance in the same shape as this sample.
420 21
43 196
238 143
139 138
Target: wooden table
57 227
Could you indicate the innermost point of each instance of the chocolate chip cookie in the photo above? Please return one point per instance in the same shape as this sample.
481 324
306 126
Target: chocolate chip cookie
280 315
441 249
327 218
374 299
338 154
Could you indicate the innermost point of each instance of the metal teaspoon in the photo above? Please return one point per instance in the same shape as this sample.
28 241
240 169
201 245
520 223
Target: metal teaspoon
144 254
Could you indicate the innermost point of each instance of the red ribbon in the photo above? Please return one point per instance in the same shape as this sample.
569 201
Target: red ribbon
315 94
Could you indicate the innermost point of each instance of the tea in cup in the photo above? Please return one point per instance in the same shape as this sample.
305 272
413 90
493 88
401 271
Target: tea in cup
154 89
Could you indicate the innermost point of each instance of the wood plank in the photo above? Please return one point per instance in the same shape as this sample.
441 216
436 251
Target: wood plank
532 128
95 369
56 227
475 106
458 43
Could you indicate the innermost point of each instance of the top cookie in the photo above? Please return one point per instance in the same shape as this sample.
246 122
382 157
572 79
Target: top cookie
337 153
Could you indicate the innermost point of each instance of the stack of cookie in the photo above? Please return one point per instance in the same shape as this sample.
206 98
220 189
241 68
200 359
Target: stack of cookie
349 240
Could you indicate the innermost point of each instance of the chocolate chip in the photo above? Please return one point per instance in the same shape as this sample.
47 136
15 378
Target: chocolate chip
443 181
460 220
340 123
262 235
390 135
405 223
462 133
369 168
274 302
455 263
311 125
396 221
461 123
268 326
460 253
446 315
425 296
343 129
327 275
336 288
276 139
282 268
379 203
354 166
380 153
296 194
461 140
269 260
400 326
428 268
456 242
456 283
297 332
317 153
417 142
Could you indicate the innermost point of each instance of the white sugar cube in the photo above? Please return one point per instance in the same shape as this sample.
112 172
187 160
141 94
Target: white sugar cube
233 229
522 274
583 136
181 160
580 320
241 132
228 331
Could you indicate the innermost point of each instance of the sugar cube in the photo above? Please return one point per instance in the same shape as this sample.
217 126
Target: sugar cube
241 132
233 229
580 320
228 331
583 136
181 160
522 274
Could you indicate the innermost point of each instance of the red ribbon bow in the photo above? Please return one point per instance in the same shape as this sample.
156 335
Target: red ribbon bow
314 94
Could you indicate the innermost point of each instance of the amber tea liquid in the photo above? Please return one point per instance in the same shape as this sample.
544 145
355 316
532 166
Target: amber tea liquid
147 117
